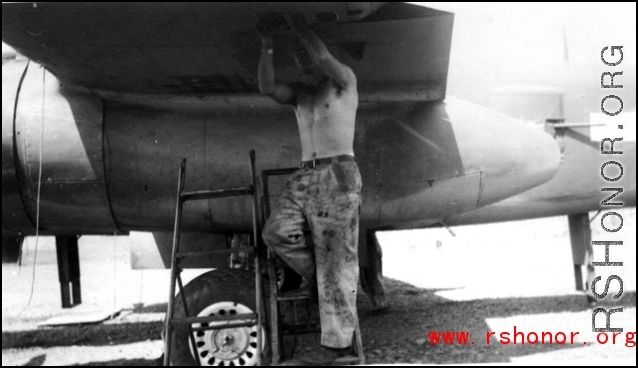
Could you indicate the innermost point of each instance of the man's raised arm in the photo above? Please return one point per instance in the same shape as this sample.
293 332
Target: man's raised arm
317 49
266 75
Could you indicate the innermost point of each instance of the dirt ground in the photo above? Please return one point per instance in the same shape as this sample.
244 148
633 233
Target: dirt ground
486 278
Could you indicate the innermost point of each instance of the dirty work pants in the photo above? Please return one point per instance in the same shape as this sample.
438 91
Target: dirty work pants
327 200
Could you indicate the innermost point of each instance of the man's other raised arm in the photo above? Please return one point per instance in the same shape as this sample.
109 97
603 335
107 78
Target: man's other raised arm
267 85
317 49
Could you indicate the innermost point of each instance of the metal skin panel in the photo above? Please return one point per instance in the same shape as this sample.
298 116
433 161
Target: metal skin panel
423 204
216 145
73 194
14 216
396 50
412 167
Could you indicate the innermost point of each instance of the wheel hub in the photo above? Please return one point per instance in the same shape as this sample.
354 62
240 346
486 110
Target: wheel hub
230 346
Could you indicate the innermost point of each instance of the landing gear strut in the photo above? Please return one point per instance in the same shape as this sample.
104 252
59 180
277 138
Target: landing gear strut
11 247
582 251
371 274
69 270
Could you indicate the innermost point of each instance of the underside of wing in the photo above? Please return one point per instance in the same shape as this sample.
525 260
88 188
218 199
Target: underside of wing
396 50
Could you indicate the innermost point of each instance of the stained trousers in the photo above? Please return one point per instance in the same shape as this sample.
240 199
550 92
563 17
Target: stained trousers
327 200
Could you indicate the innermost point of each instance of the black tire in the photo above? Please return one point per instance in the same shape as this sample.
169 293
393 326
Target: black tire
223 285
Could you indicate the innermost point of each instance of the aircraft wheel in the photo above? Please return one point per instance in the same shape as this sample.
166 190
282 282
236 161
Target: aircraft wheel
222 292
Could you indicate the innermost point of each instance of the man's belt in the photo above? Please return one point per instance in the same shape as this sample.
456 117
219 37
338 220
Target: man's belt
326 161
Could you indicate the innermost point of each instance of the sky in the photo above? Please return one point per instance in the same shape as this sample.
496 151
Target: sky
534 32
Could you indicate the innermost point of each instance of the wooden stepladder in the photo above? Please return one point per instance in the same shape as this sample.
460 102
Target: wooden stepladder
213 323
298 307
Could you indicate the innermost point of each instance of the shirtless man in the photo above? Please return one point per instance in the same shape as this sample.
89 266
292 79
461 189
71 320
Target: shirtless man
325 193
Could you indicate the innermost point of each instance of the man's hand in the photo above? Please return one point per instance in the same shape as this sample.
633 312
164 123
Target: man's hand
317 49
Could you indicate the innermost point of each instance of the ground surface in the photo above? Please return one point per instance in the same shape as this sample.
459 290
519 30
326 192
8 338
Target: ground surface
487 278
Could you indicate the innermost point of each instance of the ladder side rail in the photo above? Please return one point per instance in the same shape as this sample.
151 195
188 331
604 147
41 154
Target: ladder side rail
168 330
359 342
191 337
275 332
256 242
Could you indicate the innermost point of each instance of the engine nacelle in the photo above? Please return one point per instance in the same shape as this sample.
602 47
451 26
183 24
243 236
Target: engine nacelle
103 165
52 152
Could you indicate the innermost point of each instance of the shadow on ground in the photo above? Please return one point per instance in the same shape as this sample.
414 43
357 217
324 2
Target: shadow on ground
41 359
124 363
36 362
95 335
155 308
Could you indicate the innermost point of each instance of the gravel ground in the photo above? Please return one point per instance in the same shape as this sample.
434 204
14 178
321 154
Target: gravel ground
486 278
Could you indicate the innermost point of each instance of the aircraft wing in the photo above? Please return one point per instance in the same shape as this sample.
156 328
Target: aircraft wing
397 50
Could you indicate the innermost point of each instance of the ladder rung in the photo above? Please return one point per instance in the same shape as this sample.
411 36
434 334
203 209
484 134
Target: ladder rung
300 330
305 325
214 252
223 327
292 298
219 193
348 360
200 320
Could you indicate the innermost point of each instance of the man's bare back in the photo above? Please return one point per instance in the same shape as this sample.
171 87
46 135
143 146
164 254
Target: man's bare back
326 119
